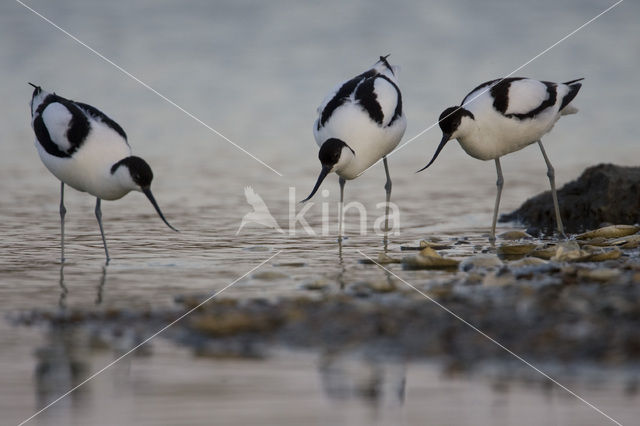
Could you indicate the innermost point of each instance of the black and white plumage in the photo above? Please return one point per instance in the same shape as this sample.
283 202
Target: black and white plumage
359 122
88 151
505 115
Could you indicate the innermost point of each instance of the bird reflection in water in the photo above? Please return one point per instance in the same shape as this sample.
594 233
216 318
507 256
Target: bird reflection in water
377 384
64 290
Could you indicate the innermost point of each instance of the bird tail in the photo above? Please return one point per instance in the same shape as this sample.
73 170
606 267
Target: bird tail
569 83
574 88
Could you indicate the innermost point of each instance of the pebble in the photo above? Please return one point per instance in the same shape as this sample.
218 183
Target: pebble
605 254
599 275
384 259
269 275
436 245
544 252
500 278
516 249
428 259
569 251
613 231
481 261
515 235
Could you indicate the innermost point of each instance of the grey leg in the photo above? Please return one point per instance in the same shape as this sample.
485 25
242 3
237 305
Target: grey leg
387 188
99 217
63 212
552 181
340 211
499 184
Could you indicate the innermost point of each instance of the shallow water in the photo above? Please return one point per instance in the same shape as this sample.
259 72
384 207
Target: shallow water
256 73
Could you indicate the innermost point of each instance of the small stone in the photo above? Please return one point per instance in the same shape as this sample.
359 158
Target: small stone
320 284
269 275
527 261
428 262
428 251
514 235
516 249
384 259
500 278
544 252
629 241
599 275
436 245
605 254
481 261
598 241
613 231
569 251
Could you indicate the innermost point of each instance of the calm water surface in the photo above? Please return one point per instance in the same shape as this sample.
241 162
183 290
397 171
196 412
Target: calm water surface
256 73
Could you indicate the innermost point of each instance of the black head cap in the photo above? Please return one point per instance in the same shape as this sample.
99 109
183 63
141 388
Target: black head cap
330 151
329 156
138 168
450 119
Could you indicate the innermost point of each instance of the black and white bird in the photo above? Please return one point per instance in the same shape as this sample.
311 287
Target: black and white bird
88 151
359 123
505 115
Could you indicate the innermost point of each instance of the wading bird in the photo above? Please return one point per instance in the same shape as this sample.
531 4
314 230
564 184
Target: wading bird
505 115
88 151
360 122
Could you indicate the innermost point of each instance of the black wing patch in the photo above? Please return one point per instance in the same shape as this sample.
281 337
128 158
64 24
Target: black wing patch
77 130
79 126
96 113
42 134
500 93
367 98
342 95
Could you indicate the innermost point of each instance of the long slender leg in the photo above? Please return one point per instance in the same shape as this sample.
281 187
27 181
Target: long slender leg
99 217
499 184
552 181
63 212
387 188
340 209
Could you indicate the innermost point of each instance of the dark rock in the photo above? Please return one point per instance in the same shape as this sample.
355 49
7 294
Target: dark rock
603 193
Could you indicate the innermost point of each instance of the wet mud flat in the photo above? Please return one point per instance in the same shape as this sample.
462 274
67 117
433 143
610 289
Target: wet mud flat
567 301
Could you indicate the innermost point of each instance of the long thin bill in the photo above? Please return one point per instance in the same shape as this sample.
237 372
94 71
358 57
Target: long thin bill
149 195
445 139
323 174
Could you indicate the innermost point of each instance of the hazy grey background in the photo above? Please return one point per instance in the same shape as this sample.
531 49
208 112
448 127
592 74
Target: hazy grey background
256 71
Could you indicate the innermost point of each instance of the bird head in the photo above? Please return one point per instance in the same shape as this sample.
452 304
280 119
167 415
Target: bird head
135 174
334 155
453 122
37 98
